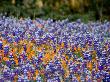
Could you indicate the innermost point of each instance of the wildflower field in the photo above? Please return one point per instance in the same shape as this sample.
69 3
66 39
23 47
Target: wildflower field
54 51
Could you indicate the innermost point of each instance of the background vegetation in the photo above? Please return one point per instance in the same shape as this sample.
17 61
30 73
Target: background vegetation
57 9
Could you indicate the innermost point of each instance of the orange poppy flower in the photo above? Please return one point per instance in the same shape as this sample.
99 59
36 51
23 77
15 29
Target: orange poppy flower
16 61
14 43
28 49
4 42
75 49
15 78
2 52
29 75
63 64
36 73
32 53
89 65
5 58
53 55
39 49
29 56
67 73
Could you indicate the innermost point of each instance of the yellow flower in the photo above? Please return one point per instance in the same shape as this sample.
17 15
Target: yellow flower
15 49
79 49
20 51
78 78
63 64
21 42
62 44
67 57
25 41
57 49
67 73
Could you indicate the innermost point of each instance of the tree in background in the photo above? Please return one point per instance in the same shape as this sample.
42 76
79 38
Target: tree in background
59 9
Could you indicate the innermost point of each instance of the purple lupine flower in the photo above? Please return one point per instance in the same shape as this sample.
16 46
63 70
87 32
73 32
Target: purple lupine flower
1 45
6 49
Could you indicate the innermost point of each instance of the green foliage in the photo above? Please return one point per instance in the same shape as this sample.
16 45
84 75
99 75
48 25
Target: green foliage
56 9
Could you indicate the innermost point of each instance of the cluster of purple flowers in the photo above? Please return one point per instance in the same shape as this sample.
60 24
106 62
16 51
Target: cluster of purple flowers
82 44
